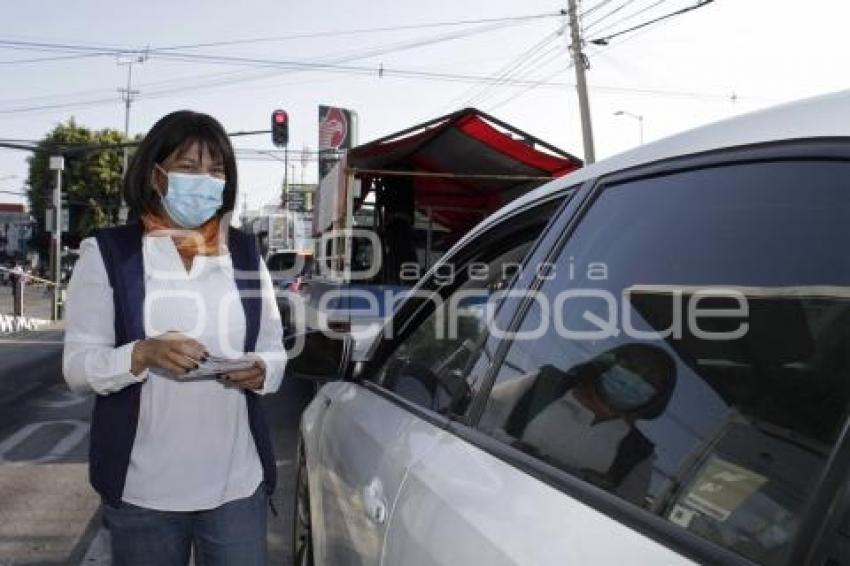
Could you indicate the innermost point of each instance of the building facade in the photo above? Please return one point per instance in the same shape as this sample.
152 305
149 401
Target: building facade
16 230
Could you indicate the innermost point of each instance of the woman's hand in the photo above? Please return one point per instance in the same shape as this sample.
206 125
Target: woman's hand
173 352
252 378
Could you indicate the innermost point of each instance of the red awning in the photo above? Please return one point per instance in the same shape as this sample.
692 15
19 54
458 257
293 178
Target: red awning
463 165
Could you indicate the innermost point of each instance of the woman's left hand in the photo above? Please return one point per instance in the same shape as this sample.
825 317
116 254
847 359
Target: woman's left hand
252 378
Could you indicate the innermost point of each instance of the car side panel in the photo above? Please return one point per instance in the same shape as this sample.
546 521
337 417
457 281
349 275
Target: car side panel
461 505
365 446
311 431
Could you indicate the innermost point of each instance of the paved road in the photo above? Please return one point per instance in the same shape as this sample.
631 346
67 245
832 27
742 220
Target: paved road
48 512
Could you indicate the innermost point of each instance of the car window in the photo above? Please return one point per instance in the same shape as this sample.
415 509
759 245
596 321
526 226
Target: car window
429 364
688 350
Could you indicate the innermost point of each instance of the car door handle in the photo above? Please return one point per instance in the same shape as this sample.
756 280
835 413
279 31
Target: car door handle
373 501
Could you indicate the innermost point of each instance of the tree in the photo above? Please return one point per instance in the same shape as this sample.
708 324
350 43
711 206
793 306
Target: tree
91 180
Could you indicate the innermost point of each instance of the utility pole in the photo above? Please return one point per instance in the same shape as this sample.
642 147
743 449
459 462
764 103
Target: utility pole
57 163
580 65
127 95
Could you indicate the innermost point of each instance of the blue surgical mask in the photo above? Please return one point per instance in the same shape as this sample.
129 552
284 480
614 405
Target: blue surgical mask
624 389
191 200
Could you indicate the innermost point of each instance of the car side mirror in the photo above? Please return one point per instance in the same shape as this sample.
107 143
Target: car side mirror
320 356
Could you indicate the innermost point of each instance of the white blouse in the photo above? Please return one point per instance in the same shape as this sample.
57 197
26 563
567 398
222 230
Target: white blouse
193 448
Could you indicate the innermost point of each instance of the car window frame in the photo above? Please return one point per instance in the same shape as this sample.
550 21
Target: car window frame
812 536
404 315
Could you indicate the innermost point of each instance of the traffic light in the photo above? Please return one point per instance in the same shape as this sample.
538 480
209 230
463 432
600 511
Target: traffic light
280 128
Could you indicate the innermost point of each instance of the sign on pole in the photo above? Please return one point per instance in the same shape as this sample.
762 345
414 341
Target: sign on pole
337 131
50 222
57 163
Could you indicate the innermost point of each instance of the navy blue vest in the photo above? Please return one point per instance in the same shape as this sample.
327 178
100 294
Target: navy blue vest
116 416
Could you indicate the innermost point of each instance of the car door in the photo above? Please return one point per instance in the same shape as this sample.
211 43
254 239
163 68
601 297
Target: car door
373 429
713 292
364 448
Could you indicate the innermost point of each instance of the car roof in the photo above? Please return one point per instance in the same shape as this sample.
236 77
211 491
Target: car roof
819 117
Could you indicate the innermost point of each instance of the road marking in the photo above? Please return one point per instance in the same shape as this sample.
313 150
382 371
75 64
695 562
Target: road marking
76 435
65 399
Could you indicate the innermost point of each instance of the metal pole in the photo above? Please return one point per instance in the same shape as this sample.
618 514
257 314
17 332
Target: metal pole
286 177
580 64
638 117
57 245
128 101
18 294
429 241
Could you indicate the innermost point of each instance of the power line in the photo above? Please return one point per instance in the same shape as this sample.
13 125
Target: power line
389 72
609 14
697 6
630 16
506 72
340 58
594 8
311 35
125 50
54 58
555 53
370 71
539 82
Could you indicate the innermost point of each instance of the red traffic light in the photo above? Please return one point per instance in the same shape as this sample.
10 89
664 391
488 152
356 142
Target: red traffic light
280 128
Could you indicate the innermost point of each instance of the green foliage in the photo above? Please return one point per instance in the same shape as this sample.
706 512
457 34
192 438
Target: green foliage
91 180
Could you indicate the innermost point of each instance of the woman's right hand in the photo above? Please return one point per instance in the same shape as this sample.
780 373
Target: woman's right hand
173 352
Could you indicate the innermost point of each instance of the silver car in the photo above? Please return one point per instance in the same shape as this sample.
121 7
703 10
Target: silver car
644 362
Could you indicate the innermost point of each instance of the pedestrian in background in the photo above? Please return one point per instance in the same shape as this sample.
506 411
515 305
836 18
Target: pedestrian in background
181 464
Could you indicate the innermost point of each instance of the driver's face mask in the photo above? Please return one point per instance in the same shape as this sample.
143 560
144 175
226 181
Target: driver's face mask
624 389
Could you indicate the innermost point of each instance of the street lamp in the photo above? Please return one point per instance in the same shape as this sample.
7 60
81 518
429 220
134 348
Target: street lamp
637 117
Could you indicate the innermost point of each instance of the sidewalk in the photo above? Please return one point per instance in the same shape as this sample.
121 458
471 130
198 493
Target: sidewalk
37 303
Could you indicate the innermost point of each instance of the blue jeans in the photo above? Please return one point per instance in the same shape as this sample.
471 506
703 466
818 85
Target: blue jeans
232 534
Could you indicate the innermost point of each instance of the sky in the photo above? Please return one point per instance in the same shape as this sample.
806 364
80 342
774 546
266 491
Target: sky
730 57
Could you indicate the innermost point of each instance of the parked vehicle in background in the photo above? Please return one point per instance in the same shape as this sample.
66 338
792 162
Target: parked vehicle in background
286 266
661 378
287 269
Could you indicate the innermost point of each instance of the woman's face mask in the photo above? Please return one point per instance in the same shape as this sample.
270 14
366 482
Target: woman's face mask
192 199
624 389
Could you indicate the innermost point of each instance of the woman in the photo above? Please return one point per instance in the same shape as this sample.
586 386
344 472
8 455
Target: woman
181 461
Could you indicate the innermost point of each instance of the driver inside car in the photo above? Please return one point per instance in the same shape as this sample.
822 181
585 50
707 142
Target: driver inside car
584 420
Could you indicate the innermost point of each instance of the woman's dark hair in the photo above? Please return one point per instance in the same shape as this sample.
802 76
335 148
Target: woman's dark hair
174 132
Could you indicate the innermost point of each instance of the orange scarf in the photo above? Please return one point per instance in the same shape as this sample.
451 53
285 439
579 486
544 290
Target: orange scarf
203 240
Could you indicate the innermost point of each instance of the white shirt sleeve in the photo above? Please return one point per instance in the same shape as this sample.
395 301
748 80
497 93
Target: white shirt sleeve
90 361
270 339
